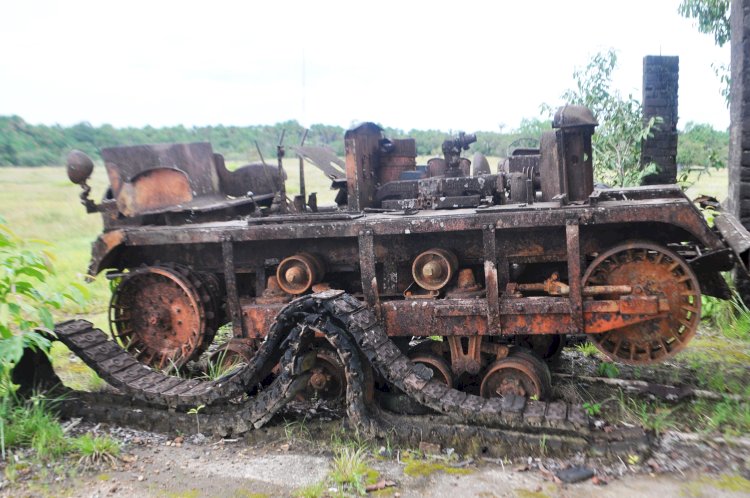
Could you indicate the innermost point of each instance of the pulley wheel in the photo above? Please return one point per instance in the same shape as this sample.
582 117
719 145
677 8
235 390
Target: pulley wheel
297 274
518 374
651 270
434 268
159 314
441 371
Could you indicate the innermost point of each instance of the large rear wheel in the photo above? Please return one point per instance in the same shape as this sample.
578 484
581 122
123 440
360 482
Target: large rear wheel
651 270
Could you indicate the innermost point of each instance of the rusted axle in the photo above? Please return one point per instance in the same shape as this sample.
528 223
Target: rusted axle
554 287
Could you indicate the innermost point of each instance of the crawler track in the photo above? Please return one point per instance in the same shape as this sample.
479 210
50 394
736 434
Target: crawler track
236 403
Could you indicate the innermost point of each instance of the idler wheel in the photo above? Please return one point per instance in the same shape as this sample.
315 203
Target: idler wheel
327 376
441 371
434 268
297 274
163 315
519 374
651 270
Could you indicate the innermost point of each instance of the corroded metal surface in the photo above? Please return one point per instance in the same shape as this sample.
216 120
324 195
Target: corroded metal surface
652 271
489 265
358 339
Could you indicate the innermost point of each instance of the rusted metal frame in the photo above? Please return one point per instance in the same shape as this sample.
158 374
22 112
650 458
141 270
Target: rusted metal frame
366 241
230 279
673 212
573 242
260 279
459 317
491 278
503 265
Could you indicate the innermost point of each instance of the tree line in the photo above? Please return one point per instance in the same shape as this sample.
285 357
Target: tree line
25 144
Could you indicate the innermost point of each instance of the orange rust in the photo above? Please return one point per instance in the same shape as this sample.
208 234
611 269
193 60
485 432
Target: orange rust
112 239
153 190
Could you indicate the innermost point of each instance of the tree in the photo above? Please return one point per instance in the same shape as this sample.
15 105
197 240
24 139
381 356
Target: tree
701 145
617 141
712 17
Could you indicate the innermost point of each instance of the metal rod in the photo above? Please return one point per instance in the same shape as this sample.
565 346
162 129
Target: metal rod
302 172
279 156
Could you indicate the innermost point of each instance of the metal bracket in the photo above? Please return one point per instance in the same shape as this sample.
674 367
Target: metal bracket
491 278
230 279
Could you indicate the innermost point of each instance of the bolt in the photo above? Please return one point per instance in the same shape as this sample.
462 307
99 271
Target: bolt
295 274
432 269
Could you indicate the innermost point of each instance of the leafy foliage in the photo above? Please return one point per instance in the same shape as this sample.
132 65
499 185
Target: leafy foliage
24 305
712 17
617 141
607 369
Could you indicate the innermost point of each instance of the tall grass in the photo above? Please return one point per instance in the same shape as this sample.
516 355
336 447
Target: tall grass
32 423
731 317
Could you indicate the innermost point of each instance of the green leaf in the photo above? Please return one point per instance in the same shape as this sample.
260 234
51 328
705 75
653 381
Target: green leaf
11 349
32 272
46 317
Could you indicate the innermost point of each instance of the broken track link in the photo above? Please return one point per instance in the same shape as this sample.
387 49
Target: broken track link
357 336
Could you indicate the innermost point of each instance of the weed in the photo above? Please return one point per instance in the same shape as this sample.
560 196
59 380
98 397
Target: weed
728 415
33 424
195 411
350 470
652 415
219 367
96 450
593 409
316 490
587 349
355 441
607 369
297 430
731 317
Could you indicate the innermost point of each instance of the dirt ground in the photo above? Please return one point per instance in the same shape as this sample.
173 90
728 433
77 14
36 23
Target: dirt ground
280 462
694 456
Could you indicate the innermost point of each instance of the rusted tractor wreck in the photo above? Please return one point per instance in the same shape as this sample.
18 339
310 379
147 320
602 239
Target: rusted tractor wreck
450 287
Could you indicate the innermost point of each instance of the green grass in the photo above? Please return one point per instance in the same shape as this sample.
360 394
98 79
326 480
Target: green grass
713 182
96 450
350 470
32 424
40 203
587 349
316 490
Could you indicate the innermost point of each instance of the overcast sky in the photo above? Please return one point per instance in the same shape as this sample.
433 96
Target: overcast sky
449 65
